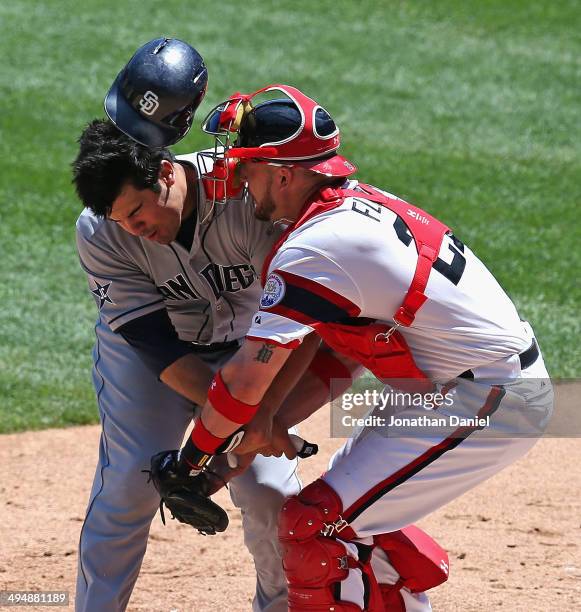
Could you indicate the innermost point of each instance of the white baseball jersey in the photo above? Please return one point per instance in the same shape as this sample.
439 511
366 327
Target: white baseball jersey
358 260
210 291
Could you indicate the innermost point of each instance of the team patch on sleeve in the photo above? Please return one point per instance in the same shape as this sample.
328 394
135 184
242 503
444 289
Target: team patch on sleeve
304 300
274 290
101 293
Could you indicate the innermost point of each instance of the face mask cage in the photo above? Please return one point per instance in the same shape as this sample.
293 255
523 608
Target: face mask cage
223 124
218 172
218 164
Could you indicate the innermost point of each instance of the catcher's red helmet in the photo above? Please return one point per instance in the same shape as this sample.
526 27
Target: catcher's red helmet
294 130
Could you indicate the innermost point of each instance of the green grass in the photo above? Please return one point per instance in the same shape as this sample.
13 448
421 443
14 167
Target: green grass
469 109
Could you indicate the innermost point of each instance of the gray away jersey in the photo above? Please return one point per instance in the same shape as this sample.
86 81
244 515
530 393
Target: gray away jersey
210 292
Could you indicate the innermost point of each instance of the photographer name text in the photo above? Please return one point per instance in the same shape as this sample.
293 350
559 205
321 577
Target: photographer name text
374 420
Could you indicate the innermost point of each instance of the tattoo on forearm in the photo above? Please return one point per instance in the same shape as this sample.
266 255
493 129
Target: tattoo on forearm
265 353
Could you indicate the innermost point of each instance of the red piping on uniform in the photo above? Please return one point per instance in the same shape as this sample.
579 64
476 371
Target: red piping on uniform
313 287
359 506
293 315
293 344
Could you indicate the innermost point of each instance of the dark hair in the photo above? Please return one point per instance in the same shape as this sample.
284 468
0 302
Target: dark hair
107 160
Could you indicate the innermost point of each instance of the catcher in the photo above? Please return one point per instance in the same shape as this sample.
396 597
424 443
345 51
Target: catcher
388 285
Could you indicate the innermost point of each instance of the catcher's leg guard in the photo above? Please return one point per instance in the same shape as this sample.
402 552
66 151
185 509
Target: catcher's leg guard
419 560
323 569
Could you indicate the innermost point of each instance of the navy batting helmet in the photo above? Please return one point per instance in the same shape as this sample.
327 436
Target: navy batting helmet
154 98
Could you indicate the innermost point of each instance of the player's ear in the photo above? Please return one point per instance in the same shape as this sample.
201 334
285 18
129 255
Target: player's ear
284 177
167 172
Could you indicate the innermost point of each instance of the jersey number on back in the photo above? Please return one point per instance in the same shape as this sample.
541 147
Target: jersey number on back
454 269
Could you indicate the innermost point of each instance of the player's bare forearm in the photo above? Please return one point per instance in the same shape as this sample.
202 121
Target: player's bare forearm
251 371
290 375
190 377
307 396
247 376
259 431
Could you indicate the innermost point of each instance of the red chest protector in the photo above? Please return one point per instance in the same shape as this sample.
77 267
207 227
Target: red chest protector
380 347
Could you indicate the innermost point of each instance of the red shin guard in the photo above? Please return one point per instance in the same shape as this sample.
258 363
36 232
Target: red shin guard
316 562
419 560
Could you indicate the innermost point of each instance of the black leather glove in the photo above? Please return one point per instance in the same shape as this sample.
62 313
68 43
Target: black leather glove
185 496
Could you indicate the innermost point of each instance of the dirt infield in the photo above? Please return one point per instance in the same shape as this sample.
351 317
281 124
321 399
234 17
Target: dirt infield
514 543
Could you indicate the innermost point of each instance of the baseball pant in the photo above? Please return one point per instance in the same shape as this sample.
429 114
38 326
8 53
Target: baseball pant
141 416
388 479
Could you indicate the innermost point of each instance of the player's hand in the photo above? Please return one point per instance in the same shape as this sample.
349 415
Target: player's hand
280 443
257 435
300 448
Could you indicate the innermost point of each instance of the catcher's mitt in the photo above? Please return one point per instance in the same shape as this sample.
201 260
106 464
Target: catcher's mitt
186 497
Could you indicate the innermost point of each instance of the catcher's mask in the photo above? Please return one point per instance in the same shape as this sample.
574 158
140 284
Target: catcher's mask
155 96
290 131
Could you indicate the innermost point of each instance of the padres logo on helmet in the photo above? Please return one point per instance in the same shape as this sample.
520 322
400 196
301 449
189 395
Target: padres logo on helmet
149 103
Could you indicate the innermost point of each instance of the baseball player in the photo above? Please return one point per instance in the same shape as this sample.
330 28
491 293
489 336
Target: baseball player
175 287
387 284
